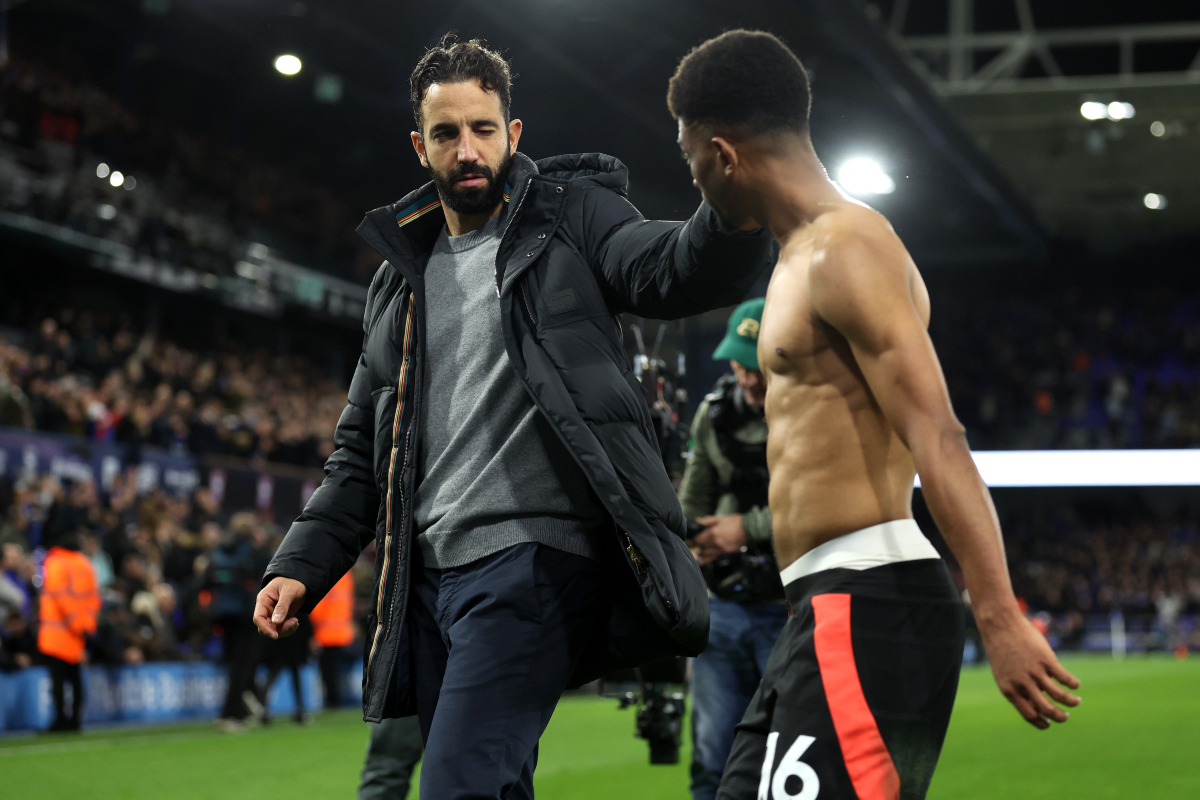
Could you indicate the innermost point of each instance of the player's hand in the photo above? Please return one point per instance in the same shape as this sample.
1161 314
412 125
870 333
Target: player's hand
720 535
277 606
1027 671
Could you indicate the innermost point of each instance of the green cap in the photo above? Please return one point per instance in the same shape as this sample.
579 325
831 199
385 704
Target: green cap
741 339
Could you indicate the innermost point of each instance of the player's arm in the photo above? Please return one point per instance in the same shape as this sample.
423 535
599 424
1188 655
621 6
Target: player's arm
860 285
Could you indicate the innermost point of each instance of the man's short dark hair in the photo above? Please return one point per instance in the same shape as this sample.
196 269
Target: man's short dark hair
747 82
452 61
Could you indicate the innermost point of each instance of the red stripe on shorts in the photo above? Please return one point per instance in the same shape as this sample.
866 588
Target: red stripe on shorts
867 759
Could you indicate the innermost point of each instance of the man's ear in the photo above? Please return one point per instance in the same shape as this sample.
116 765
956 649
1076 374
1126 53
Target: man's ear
727 154
419 146
514 136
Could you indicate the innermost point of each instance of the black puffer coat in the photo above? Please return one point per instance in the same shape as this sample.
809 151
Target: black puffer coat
574 253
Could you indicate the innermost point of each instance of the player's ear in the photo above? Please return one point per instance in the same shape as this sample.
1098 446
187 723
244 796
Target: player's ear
727 154
419 146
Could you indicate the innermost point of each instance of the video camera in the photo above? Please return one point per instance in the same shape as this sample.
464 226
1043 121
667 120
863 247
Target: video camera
661 701
751 575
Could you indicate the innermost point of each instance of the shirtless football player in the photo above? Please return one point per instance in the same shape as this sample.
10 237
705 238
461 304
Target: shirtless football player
858 691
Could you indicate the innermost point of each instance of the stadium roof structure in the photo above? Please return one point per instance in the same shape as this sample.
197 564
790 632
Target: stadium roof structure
591 77
1037 85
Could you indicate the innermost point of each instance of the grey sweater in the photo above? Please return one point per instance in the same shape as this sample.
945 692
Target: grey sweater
492 471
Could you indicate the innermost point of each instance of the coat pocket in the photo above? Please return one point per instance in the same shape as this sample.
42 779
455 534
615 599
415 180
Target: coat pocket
384 401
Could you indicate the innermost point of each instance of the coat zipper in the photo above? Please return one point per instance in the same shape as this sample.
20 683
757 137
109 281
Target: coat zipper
401 388
496 267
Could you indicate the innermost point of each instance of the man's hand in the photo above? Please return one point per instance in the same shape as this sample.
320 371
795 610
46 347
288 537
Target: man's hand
278 602
1027 670
721 535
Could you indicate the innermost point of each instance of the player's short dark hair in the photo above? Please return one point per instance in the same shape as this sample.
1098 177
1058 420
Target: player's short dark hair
748 82
452 61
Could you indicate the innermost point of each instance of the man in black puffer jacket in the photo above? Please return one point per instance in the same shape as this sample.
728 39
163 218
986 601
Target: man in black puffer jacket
496 445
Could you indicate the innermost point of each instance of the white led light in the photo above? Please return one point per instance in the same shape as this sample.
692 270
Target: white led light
102 170
1120 110
288 64
1157 128
130 183
116 179
105 211
865 176
1093 110
1154 201
1001 468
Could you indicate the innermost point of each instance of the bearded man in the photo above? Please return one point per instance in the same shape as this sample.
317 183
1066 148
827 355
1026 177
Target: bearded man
496 445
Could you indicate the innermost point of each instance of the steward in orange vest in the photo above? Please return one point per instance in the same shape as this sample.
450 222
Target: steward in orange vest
333 630
69 606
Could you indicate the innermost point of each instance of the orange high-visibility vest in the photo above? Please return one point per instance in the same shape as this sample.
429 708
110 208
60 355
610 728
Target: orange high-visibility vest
69 605
332 619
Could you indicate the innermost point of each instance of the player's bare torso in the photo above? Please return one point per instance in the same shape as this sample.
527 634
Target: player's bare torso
836 463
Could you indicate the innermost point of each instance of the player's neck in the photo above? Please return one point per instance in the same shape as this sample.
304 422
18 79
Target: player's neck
793 190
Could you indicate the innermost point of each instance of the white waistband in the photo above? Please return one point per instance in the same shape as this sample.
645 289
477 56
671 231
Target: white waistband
886 543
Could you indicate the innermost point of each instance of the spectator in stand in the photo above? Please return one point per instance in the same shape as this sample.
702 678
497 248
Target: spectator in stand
18 644
333 634
69 604
106 387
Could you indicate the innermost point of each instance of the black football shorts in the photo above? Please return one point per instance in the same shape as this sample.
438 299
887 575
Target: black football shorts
857 693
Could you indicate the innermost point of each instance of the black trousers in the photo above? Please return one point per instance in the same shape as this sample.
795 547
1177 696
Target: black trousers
62 673
494 644
243 651
330 662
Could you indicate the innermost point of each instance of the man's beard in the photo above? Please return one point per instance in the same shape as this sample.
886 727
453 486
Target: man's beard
473 200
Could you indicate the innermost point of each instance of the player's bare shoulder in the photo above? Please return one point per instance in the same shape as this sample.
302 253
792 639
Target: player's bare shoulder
859 265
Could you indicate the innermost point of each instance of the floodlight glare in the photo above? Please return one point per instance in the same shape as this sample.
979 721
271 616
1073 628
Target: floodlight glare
865 176
1157 128
1120 110
1155 202
287 64
102 170
130 183
116 179
1093 110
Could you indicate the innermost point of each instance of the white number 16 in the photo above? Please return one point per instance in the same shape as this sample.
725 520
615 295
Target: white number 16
789 766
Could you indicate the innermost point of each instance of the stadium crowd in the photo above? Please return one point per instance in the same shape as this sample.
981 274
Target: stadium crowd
189 199
1145 568
1069 370
87 376
162 564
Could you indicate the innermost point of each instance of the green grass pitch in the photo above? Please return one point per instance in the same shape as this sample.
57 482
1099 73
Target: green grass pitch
1137 734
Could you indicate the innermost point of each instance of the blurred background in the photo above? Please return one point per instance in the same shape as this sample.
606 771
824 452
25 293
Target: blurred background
181 292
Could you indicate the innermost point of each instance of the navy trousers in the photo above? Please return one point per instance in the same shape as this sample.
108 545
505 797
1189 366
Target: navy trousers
494 644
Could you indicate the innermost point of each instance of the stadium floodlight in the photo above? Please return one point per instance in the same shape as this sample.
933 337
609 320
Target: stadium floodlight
102 170
1032 468
287 64
1154 201
130 183
1093 110
106 211
116 179
865 176
1120 110
1157 128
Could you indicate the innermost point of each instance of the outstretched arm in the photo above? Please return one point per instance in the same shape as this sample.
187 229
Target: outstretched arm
668 270
862 285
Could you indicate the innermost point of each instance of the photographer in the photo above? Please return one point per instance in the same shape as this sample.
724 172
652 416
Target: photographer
725 491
